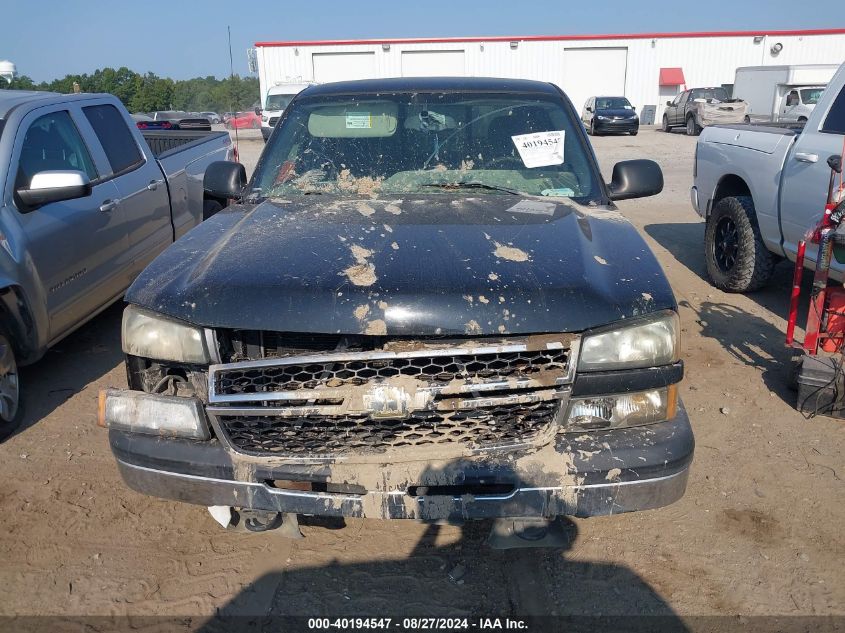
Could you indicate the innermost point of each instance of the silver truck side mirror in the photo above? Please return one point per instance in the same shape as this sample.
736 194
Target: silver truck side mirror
54 186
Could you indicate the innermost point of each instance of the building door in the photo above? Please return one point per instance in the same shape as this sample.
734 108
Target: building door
433 64
592 72
330 67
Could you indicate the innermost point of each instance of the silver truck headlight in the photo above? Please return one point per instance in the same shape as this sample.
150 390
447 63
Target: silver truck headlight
640 344
621 410
150 335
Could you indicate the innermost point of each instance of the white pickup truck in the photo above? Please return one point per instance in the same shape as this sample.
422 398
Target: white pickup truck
761 187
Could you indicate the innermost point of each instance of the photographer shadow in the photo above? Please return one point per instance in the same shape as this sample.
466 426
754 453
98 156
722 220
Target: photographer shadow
462 578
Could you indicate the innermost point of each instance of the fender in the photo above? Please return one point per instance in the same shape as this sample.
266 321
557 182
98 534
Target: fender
18 320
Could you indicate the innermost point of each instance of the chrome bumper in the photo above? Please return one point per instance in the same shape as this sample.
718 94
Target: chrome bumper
582 501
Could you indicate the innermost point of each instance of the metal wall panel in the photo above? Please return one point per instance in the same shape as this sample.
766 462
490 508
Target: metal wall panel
706 61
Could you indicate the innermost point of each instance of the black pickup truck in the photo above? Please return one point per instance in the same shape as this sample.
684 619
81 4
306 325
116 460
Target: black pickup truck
424 306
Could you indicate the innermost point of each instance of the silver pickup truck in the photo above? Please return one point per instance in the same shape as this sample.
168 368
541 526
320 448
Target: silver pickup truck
761 187
87 202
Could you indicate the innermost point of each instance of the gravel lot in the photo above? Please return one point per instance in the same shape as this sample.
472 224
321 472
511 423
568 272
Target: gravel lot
758 532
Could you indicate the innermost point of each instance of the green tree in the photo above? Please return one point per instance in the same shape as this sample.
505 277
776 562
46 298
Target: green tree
21 82
149 92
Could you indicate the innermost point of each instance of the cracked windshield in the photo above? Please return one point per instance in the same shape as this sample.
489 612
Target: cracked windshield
426 143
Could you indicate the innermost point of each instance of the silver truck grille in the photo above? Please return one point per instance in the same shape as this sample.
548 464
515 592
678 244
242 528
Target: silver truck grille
467 394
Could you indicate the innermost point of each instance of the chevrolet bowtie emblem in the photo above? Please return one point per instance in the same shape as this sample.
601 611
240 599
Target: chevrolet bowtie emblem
387 401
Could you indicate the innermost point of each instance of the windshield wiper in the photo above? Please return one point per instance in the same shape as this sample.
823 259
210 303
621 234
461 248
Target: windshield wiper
473 185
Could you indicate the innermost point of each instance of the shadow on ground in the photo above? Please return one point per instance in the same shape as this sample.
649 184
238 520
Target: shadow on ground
81 358
464 578
749 338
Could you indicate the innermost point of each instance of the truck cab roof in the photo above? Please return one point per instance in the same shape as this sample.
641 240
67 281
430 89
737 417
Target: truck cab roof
11 99
432 84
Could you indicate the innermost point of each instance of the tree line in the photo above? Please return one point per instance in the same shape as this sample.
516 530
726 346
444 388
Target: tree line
149 92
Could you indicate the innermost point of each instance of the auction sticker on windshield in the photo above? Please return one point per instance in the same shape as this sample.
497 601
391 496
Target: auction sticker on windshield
540 149
358 121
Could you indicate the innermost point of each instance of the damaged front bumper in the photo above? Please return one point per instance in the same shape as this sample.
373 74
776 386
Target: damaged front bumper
600 473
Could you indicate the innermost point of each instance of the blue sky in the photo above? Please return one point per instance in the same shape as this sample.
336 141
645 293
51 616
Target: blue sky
51 38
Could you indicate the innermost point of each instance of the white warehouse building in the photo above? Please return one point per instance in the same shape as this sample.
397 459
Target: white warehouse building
647 68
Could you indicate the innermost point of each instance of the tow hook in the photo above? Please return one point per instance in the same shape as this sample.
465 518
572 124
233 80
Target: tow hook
245 520
511 533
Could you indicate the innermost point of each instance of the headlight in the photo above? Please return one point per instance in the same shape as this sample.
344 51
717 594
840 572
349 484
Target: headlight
265 119
600 117
138 412
641 344
150 335
621 410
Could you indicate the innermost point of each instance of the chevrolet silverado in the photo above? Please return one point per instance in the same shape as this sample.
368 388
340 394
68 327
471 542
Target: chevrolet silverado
424 306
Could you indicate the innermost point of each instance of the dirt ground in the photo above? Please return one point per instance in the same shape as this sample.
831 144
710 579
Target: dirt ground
758 532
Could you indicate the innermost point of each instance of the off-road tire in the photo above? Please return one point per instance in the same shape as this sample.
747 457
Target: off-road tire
693 128
737 260
634 132
665 126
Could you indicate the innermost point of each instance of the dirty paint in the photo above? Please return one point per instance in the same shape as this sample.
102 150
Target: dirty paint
281 267
510 253
363 273
376 327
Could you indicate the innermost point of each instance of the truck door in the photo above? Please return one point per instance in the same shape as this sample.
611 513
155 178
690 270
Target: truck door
73 245
806 174
678 111
143 193
790 106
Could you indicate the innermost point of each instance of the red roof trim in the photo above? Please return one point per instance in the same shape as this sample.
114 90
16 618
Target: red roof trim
672 77
549 38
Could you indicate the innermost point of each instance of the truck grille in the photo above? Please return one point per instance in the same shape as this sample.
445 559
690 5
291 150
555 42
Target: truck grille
463 394
433 369
360 433
273 120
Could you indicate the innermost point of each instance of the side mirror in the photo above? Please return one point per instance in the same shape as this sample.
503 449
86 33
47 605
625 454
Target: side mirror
55 186
668 103
224 179
635 179
589 109
258 111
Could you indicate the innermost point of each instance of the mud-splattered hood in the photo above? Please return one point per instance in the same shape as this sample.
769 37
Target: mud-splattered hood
439 264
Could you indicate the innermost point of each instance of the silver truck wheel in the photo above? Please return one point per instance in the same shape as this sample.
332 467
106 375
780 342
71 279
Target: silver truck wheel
10 403
692 127
737 260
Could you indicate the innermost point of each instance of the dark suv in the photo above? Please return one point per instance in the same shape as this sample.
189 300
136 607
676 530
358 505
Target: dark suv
424 306
610 114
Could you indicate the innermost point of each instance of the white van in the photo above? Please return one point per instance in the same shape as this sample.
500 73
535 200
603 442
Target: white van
781 93
277 99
